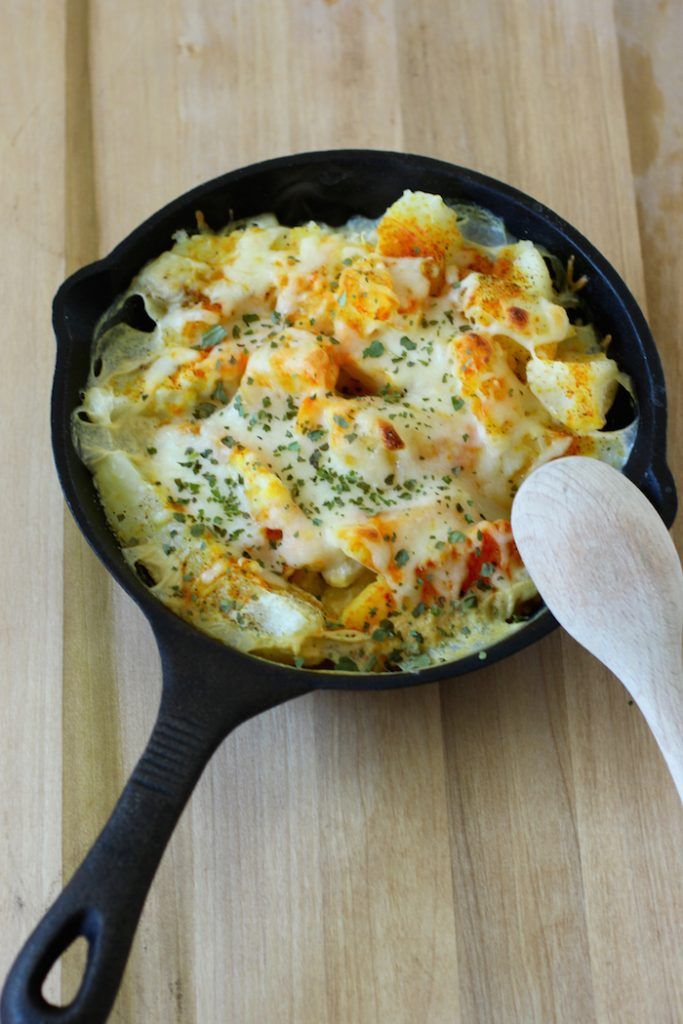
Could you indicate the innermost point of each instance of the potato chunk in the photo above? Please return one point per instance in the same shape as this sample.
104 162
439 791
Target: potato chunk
578 394
419 224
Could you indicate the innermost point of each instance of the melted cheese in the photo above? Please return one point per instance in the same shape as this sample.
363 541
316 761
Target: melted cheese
313 454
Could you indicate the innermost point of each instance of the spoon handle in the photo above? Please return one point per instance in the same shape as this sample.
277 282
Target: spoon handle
661 703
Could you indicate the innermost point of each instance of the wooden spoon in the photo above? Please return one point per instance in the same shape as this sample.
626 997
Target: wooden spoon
607 568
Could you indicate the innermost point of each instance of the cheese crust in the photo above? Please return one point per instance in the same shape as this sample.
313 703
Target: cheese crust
311 454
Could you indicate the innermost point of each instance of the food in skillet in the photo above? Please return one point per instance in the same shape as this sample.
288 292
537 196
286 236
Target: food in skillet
312 453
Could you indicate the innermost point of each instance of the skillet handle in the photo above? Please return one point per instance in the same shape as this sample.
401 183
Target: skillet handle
202 702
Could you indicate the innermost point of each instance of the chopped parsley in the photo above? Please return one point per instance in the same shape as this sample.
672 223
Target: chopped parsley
346 664
374 350
212 336
203 410
220 394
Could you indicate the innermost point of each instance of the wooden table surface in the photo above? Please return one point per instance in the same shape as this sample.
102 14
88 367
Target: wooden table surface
503 849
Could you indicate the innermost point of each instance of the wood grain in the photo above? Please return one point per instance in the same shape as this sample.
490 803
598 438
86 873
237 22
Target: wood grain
506 848
652 76
31 580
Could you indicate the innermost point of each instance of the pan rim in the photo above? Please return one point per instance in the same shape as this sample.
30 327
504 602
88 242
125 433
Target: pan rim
647 457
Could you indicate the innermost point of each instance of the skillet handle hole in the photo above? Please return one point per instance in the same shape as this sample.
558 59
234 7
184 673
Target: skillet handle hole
65 977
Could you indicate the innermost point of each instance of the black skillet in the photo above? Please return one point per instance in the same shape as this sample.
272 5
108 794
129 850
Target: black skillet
208 689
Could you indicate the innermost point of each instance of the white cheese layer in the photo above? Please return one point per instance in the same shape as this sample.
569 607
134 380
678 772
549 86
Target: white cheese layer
313 454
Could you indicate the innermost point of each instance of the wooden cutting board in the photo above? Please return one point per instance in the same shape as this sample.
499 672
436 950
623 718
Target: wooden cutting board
504 849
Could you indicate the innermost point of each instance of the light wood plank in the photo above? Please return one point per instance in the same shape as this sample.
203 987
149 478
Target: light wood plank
389 930
520 895
652 74
31 247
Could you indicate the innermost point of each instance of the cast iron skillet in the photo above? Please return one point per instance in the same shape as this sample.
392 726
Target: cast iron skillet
208 689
